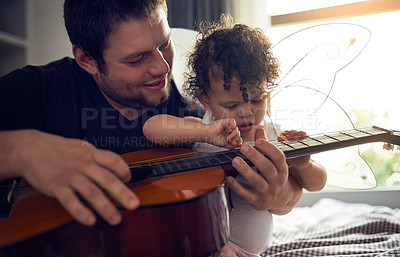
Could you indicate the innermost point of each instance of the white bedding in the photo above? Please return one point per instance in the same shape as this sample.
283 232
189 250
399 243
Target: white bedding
334 228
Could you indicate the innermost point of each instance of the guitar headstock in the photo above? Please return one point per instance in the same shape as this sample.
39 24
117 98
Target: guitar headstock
391 139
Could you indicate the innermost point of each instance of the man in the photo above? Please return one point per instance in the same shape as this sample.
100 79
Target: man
55 118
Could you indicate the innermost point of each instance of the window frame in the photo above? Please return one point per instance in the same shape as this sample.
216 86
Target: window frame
337 12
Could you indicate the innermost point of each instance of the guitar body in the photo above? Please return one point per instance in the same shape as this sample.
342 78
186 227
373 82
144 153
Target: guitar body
182 214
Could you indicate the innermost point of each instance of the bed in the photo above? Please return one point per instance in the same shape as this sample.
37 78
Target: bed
335 228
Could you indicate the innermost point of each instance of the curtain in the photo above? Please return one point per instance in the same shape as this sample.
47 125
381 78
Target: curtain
189 13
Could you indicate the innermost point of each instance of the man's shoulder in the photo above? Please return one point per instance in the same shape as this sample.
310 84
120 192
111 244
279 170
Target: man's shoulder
63 67
53 83
66 62
35 96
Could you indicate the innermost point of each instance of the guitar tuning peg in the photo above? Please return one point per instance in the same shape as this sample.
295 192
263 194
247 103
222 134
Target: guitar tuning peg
388 146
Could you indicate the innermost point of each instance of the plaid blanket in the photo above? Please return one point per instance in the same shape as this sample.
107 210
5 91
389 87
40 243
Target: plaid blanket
334 228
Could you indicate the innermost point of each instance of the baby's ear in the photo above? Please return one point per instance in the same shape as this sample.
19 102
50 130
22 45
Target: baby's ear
203 99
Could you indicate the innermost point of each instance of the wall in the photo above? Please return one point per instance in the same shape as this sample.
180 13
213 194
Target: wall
47 38
251 12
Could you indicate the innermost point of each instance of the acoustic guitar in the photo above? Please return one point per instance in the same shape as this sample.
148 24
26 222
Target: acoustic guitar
183 210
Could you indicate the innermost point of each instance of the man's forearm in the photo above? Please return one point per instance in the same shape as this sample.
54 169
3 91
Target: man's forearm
293 195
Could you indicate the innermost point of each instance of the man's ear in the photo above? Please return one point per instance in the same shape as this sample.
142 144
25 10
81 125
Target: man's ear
203 99
85 62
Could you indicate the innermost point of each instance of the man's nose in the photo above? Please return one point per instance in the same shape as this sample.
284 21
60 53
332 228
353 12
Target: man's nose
159 65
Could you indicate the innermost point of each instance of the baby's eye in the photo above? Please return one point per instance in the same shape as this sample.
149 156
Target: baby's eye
257 101
231 107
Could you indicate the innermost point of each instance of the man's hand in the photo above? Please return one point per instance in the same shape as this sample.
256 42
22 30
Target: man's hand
225 133
231 250
67 169
272 186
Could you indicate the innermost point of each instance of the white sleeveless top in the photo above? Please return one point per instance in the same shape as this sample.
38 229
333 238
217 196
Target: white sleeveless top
250 229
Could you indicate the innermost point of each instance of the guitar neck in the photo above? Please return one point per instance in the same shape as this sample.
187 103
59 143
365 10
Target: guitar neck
291 149
333 140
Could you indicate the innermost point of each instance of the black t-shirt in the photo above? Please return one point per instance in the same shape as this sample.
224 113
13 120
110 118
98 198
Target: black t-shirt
63 99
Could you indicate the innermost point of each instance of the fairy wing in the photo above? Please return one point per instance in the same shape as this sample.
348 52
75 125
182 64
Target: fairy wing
310 60
312 57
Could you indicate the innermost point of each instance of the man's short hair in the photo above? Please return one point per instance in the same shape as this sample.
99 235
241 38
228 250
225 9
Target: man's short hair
89 22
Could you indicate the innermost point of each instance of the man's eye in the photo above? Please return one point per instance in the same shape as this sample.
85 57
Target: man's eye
231 107
165 45
137 60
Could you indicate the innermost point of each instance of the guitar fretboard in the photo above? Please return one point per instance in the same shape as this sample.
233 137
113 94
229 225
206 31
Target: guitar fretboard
292 149
331 141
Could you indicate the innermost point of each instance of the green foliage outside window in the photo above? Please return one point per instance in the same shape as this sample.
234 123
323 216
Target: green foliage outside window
385 164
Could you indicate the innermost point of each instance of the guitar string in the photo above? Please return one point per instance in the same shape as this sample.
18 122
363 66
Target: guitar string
158 159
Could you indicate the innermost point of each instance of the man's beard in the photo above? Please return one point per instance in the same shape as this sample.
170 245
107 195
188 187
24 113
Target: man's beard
139 101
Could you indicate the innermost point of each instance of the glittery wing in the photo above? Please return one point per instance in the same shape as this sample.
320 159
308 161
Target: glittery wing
310 61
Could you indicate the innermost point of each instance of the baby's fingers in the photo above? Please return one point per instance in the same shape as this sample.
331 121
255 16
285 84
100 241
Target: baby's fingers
292 135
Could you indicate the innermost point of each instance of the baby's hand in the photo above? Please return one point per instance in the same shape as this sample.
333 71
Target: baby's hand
299 162
225 133
291 135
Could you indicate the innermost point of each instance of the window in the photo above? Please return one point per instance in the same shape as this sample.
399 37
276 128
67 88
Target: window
368 88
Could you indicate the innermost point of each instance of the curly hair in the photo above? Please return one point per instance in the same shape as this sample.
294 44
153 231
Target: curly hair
238 50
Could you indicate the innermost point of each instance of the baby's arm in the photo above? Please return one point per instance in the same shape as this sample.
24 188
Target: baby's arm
166 129
311 175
